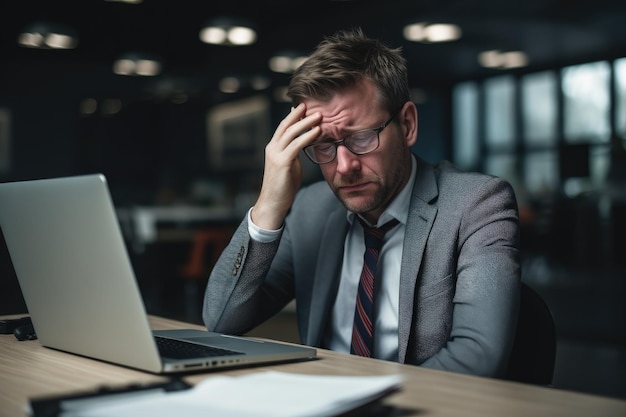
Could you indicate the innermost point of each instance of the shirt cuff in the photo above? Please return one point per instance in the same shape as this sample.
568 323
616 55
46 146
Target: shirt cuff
262 235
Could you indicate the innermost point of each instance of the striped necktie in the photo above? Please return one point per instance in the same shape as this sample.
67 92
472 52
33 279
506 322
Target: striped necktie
363 329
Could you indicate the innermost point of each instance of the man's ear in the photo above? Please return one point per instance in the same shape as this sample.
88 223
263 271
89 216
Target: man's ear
408 122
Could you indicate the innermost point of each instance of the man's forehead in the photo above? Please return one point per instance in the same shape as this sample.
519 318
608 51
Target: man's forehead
346 113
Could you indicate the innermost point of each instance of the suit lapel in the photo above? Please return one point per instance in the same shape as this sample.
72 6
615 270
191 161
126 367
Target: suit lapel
420 220
327 273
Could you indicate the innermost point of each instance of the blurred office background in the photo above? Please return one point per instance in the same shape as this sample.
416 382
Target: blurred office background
532 91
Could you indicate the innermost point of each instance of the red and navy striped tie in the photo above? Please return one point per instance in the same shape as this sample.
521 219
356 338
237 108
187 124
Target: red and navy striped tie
363 329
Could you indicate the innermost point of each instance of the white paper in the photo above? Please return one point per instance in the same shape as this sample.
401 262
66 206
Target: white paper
271 394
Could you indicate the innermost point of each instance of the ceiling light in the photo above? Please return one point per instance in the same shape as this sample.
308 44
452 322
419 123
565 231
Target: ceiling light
490 59
228 31
213 35
515 59
432 32
229 85
280 64
240 35
286 61
442 32
235 83
88 106
45 35
502 60
415 32
140 64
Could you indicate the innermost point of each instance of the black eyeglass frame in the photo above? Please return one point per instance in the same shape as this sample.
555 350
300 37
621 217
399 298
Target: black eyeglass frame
343 142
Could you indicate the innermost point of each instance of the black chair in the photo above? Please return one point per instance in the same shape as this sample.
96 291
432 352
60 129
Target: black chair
534 351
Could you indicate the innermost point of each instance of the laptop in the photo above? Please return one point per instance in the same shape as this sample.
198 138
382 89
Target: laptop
80 290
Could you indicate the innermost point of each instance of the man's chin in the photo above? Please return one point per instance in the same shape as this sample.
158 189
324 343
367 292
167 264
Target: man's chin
357 203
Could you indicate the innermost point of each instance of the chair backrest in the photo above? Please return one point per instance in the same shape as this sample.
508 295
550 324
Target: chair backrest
534 351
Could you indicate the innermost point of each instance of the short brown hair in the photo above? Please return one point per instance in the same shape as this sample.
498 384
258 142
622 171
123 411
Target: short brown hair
341 60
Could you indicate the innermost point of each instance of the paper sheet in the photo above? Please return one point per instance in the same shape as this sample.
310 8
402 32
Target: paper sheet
271 393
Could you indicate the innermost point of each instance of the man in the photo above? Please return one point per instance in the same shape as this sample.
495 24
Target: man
447 277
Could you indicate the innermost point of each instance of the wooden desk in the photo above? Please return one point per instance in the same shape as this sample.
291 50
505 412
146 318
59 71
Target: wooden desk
29 370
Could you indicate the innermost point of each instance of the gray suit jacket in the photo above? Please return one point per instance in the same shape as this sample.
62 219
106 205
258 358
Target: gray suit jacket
459 280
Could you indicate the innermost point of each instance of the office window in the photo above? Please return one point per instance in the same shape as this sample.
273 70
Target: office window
466 149
502 165
620 97
541 172
586 103
599 164
565 125
500 113
539 108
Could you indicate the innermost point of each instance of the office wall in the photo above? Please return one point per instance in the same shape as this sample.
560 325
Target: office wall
147 141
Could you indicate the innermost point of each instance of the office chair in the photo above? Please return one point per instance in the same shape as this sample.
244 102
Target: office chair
534 350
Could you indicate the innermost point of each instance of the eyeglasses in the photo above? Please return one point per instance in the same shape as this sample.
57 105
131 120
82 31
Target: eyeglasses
359 143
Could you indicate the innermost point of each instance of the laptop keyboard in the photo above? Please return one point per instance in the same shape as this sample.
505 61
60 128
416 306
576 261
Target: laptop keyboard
179 349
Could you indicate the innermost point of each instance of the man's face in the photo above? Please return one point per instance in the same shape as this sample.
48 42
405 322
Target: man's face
365 184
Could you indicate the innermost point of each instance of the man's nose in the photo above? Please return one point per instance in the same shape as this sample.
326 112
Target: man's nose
346 160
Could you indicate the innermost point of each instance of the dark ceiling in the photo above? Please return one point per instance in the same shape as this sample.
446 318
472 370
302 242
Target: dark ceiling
552 32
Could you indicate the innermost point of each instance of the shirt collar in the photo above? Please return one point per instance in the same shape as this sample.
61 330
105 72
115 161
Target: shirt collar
399 207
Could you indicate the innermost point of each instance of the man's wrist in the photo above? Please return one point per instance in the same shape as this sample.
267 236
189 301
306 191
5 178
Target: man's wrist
259 234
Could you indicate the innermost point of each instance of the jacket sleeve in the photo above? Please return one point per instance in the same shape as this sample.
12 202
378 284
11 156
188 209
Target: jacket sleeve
486 297
237 299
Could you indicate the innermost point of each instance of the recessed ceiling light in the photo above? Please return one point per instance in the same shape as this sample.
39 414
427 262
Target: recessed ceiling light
515 59
213 35
490 59
135 63
88 106
286 62
229 85
228 31
47 35
241 35
502 60
415 32
432 32
442 32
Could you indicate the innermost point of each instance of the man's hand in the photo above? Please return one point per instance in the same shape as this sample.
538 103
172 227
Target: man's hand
282 176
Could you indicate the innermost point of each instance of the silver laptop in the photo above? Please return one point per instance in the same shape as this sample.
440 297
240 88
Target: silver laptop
72 265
